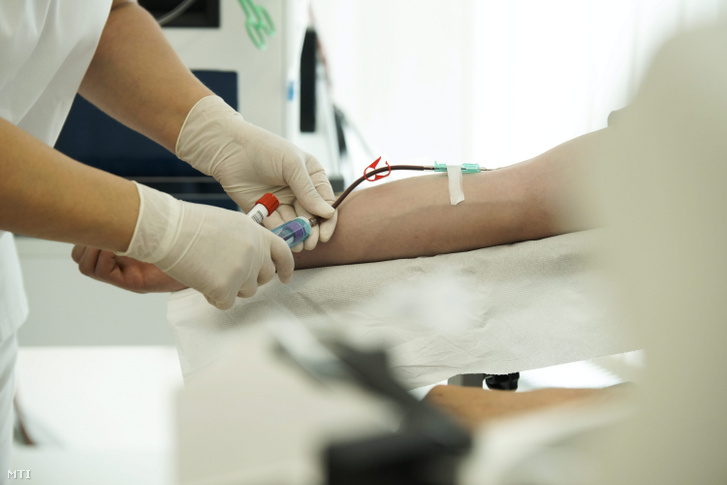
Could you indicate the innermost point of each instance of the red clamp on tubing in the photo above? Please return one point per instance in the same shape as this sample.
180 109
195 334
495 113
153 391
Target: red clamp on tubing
373 167
269 201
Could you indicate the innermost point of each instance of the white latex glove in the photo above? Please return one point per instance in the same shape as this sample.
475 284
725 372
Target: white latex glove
220 253
249 161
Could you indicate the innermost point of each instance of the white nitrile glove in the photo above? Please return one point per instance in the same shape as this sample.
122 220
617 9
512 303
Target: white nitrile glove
220 253
249 161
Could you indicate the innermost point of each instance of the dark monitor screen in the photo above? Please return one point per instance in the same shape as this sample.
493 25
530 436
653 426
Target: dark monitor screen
201 13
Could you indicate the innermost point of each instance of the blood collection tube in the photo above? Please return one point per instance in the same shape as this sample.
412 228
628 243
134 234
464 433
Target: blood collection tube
292 232
295 231
263 207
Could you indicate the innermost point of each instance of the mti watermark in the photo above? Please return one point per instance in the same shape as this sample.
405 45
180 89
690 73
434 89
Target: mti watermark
19 474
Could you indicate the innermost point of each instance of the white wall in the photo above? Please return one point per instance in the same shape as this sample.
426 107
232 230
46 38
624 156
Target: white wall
490 81
401 71
459 80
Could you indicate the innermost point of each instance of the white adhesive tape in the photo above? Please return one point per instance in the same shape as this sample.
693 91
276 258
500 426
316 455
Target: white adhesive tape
456 190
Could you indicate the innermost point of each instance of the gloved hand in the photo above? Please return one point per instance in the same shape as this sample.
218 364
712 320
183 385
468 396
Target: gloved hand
220 253
249 161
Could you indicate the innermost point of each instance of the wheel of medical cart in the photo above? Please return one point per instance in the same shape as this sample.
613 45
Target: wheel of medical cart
504 382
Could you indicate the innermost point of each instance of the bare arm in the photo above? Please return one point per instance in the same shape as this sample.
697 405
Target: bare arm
138 79
474 407
413 217
45 194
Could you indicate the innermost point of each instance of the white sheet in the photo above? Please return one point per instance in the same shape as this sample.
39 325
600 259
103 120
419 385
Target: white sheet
495 310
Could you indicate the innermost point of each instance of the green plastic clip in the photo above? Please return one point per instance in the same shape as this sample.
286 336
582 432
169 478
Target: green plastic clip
466 167
258 23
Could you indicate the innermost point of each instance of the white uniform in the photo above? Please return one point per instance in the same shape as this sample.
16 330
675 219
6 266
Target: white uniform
45 49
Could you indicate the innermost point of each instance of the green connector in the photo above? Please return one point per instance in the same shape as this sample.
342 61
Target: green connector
440 167
466 167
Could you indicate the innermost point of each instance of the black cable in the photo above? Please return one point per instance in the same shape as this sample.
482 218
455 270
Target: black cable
182 7
347 123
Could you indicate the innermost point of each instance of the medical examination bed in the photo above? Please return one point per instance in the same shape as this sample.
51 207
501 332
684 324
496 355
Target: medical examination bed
494 311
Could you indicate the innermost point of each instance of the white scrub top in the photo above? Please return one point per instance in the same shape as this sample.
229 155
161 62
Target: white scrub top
45 49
